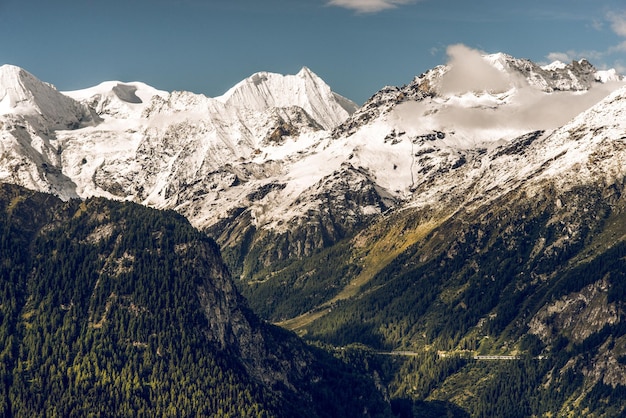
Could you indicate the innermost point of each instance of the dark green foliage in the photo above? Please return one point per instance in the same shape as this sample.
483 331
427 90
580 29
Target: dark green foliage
101 316
472 286
470 271
408 408
295 286
86 335
424 372
509 392
606 400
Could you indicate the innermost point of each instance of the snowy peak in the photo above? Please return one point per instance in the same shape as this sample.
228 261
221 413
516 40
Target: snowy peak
17 88
264 90
116 98
21 93
553 66
609 76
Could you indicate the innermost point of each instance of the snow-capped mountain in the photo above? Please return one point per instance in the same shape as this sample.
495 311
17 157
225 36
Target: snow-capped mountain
31 113
23 94
305 90
519 83
284 156
131 141
483 199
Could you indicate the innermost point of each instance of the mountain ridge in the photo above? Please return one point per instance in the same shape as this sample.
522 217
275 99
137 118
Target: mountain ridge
205 156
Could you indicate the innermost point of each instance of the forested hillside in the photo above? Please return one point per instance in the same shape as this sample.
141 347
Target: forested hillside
114 309
514 309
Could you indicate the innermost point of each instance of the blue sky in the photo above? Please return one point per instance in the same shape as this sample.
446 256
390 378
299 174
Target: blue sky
356 46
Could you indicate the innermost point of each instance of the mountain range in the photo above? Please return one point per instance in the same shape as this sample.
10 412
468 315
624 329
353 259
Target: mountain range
476 210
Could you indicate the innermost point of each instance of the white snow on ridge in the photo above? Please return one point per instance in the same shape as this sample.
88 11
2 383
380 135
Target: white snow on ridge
608 76
592 144
207 156
556 65
15 88
123 100
266 90
142 90
22 93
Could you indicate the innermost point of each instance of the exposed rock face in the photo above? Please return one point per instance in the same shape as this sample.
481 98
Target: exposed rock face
576 76
577 315
388 97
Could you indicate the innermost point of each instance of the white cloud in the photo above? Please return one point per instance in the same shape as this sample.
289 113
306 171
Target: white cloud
369 6
559 56
619 67
434 50
573 55
597 25
529 108
618 23
618 48
469 71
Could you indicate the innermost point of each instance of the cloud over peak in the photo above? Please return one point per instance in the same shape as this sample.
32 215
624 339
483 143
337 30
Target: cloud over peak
369 6
469 71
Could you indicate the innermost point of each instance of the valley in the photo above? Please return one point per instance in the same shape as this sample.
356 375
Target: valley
453 247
